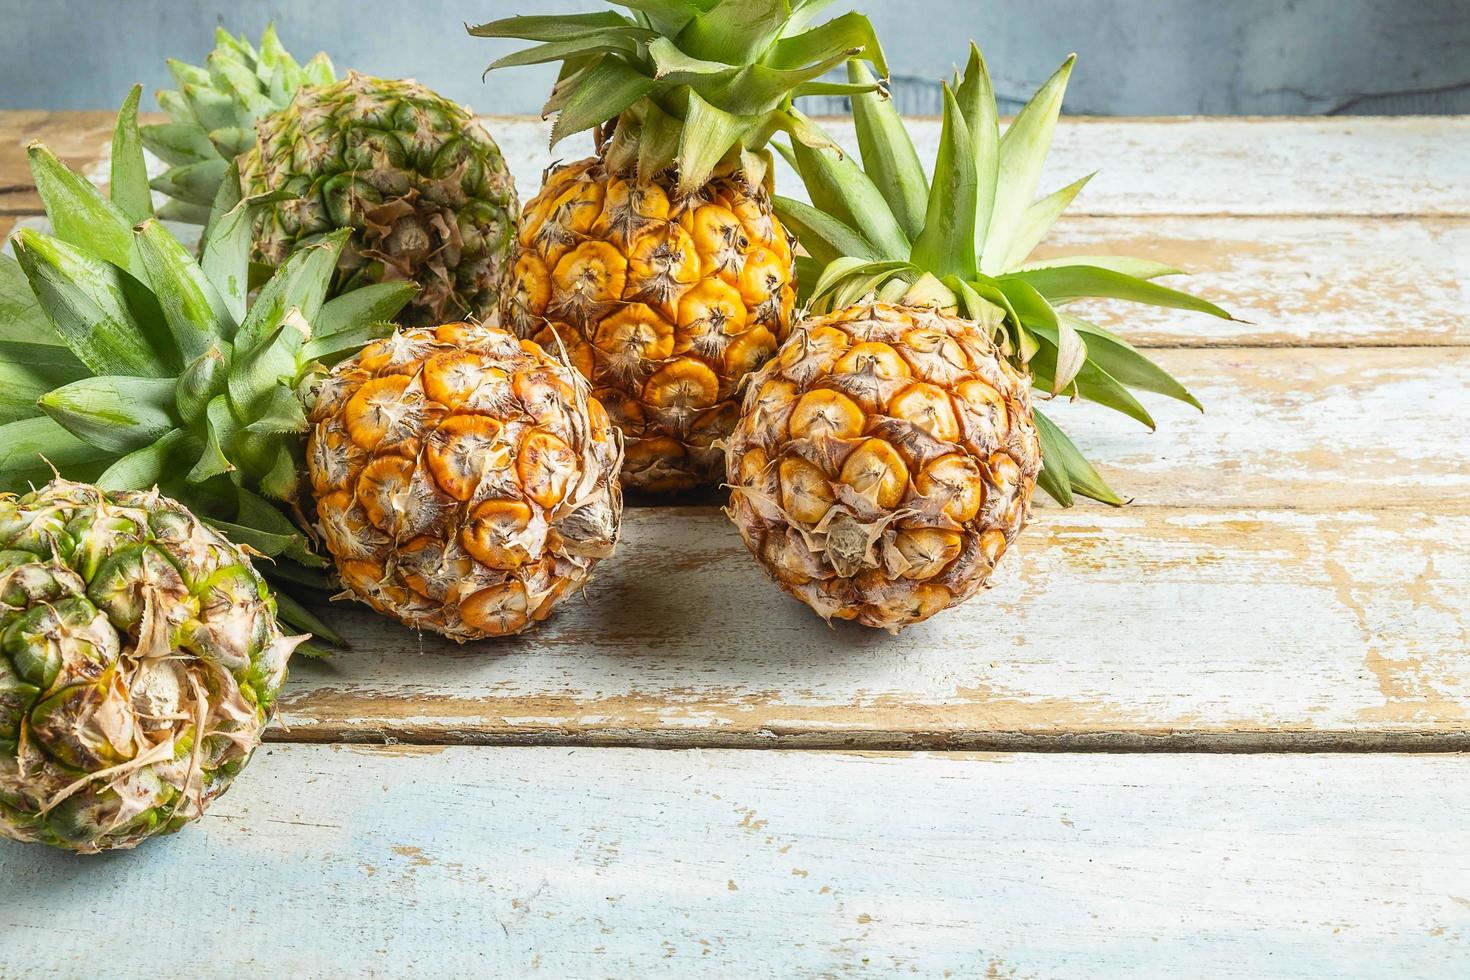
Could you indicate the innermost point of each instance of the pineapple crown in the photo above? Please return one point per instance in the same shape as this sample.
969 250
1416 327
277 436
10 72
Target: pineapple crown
138 366
697 85
963 242
213 112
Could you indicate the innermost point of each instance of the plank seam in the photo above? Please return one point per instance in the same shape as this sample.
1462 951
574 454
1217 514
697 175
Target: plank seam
1124 743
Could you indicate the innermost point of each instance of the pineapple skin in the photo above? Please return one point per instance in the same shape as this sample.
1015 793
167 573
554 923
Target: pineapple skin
883 463
464 480
422 185
665 304
129 626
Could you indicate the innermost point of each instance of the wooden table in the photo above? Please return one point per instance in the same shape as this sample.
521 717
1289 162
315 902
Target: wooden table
1217 731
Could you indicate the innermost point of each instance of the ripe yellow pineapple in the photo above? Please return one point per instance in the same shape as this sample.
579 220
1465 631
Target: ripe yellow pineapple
664 303
464 480
884 462
886 459
660 263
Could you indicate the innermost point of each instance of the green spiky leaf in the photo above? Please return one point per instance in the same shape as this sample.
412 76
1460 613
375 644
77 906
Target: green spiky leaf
888 154
129 186
1065 471
115 414
945 246
86 300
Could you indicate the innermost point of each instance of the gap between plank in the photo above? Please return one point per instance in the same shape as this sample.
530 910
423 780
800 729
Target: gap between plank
1131 743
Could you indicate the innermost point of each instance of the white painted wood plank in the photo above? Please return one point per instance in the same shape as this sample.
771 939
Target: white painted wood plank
1359 165
1366 427
1137 628
1294 281
330 862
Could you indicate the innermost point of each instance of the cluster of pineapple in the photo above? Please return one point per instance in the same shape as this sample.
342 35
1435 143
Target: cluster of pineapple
384 376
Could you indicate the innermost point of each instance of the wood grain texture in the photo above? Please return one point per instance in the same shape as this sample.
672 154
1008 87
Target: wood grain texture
1145 628
1365 427
1294 281
80 139
1314 166
1242 166
347 862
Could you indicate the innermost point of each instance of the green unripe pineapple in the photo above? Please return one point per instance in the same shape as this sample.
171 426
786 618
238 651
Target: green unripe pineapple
422 186
140 657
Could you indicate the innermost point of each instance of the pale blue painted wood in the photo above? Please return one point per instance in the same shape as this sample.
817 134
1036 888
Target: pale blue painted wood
466 862
1139 57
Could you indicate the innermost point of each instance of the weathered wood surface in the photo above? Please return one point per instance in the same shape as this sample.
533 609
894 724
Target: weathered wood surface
1313 166
80 139
346 862
1146 628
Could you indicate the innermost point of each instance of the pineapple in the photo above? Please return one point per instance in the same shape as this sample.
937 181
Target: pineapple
659 263
419 182
158 372
464 480
139 659
887 457
884 462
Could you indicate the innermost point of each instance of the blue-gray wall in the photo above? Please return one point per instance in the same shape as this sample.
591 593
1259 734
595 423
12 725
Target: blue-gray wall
1138 57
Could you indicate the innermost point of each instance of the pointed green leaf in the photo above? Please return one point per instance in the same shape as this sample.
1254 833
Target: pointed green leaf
333 347
116 414
301 618
621 40
946 245
86 300
129 186
552 27
225 259
374 304
28 371
213 109
822 235
976 98
830 178
1023 151
656 141
80 215
1061 283
281 412
145 468
31 447
301 283
603 92
705 137
319 70
255 374
178 143
848 36
1065 470
1128 365
1138 268
201 382
193 183
1036 222
889 157
197 316
220 431
21 317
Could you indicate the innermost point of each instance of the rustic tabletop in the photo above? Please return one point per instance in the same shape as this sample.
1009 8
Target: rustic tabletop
1215 731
